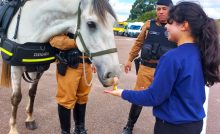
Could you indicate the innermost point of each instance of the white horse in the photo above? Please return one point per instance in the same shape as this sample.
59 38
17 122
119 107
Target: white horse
42 19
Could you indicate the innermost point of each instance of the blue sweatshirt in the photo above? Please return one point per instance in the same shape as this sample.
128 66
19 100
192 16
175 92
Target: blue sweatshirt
177 93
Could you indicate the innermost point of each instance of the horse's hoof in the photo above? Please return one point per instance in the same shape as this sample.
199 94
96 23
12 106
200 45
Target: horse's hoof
13 132
31 125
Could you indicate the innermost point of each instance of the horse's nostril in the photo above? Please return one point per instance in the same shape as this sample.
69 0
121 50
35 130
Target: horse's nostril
108 75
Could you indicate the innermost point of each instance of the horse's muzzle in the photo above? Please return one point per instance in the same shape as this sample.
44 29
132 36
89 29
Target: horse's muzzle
107 78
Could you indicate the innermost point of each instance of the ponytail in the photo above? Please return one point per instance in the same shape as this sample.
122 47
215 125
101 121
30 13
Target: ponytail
205 31
210 51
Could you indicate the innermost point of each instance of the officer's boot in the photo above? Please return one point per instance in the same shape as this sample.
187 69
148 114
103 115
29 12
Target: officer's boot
132 118
79 118
64 116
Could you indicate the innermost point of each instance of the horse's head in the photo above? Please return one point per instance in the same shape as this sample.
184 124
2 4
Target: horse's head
55 17
96 29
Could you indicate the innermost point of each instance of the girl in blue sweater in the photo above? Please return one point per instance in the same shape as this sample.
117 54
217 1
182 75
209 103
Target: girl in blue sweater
177 93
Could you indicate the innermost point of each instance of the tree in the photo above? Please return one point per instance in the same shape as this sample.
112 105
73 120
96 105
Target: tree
142 10
147 16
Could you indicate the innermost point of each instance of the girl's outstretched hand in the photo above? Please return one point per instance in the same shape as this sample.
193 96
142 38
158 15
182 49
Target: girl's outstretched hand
117 92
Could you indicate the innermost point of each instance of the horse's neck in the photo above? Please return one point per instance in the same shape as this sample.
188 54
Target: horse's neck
41 19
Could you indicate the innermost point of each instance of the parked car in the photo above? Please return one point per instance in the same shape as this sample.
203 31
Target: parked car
133 29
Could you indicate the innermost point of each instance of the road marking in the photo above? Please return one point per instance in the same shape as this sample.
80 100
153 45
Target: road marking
206 111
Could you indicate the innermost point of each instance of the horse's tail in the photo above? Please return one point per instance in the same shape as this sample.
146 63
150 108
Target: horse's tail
6 75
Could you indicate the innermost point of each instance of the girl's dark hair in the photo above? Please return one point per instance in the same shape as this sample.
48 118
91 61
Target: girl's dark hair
205 31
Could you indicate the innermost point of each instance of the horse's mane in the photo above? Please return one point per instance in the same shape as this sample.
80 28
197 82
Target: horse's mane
100 7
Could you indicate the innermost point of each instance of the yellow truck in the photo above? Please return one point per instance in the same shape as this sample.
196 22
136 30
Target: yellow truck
119 28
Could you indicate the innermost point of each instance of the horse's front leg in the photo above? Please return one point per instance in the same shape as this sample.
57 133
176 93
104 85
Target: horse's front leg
16 74
30 121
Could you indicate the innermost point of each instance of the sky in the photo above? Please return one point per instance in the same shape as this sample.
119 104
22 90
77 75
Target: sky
123 7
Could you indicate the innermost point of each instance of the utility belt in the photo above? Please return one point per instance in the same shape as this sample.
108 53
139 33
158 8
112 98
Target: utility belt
148 63
71 58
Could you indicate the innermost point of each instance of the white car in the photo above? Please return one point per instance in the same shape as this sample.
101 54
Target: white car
133 29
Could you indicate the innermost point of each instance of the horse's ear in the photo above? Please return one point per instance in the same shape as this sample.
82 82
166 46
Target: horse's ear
84 3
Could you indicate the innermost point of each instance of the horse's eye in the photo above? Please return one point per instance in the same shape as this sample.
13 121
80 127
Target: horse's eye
91 24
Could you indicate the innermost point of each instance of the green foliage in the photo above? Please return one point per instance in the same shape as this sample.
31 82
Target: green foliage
147 16
142 10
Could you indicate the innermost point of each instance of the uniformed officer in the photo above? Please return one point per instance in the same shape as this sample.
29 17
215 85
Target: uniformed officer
72 89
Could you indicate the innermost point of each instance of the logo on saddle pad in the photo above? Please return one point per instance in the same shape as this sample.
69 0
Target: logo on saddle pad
41 54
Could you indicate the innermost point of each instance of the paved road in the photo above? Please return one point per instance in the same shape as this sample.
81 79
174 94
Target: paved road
105 114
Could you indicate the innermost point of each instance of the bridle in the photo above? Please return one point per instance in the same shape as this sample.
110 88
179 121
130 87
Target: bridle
87 52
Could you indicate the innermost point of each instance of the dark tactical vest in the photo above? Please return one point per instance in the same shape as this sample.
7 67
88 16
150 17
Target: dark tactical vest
156 44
